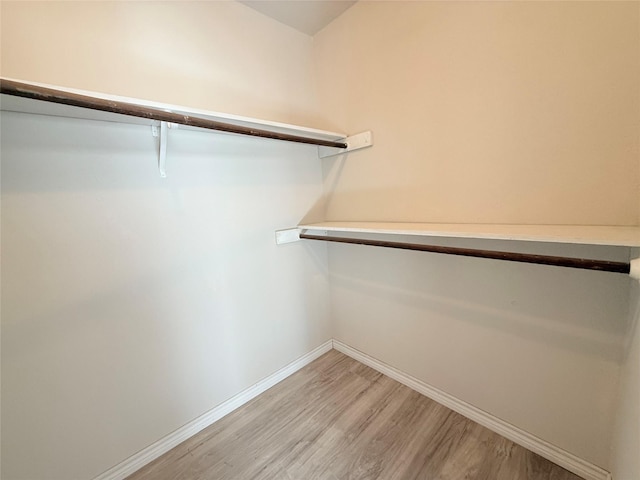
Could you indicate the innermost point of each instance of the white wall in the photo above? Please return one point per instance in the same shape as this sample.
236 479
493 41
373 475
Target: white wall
132 304
485 112
626 440
536 346
504 112
218 55
125 308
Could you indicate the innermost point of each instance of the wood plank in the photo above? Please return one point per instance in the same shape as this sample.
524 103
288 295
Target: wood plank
623 236
570 262
337 419
117 108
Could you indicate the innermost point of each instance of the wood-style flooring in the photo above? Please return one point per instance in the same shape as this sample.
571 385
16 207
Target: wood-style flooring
337 419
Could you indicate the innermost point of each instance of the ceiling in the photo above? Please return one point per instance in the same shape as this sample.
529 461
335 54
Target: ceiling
307 16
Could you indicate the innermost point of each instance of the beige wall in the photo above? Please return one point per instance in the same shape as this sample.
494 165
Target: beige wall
132 304
217 55
505 112
481 112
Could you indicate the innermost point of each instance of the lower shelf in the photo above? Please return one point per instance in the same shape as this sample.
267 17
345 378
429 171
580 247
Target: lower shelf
627 236
583 235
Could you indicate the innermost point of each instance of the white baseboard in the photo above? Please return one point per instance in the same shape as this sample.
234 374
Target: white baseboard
555 454
143 457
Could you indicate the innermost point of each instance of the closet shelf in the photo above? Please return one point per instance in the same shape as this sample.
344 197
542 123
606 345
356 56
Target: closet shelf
588 235
37 98
573 234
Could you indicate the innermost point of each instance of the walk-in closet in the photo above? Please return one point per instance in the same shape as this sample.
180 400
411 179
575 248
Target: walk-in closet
320 240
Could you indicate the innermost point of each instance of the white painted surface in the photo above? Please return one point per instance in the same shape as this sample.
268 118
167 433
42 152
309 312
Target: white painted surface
625 463
572 234
551 452
488 113
536 346
354 142
484 112
217 56
634 270
131 304
494 113
162 135
140 459
19 104
309 16
288 235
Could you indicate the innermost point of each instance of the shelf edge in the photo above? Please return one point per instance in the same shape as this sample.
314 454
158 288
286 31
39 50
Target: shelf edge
205 114
623 237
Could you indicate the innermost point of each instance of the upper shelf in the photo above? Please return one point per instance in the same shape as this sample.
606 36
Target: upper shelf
588 235
38 98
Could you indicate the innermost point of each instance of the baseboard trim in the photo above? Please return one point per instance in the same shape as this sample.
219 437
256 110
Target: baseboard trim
153 451
561 457
557 455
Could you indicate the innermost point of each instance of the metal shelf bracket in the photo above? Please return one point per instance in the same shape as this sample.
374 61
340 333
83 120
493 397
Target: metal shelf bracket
354 142
634 268
162 132
287 235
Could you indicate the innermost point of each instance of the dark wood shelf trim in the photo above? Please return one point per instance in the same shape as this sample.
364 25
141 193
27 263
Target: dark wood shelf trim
582 263
25 90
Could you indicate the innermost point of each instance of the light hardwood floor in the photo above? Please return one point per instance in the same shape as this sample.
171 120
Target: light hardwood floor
337 419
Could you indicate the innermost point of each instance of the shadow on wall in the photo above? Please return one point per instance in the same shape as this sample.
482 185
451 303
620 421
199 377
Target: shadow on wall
579 310
332 168
634 315
385 187
626 440
132 304
123 157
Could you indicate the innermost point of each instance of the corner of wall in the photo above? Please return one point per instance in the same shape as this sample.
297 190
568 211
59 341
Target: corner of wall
625 464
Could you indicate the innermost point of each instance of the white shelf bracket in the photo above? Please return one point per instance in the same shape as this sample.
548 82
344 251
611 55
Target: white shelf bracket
354 142
634 268
288 235
161 133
